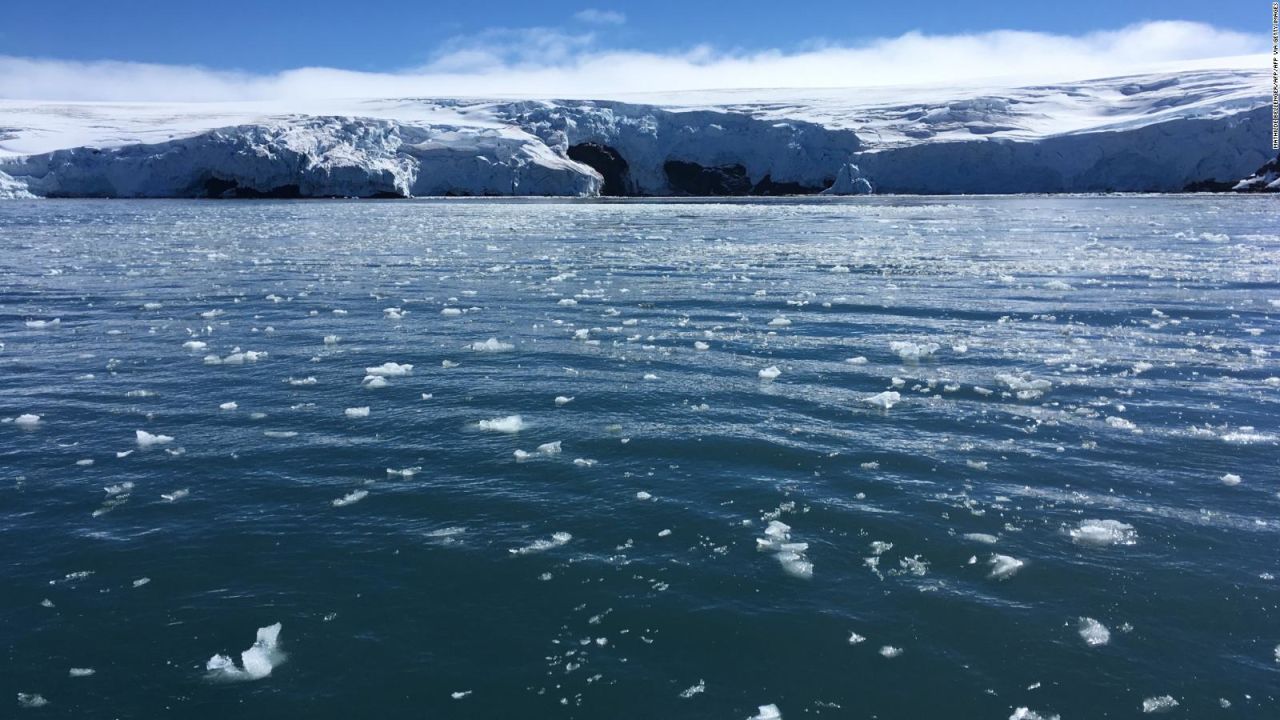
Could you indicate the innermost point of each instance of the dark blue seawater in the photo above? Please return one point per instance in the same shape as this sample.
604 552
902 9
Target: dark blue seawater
1087 425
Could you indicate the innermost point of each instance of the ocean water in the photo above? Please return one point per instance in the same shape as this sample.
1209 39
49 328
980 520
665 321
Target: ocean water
1071 507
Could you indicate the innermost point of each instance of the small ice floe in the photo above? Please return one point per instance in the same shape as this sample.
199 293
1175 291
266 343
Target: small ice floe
406 473
649 376
791 555
839 269
770 373
537 546
194 345
298 382
551 448
780 321
332 339
374 382
228 405
459 694
1024 386
767 712
256 663
176 495
447 364
692 690
27 421
701 346
351 498
81 672
394 313
1120 423
584 462
860 360
237 357
427 396
642 495
493 344
884 400
390 369
1057 285
508 424
451 312
1094 633
1100 533
146 439
910 352
280 434
141 581
152 306
890 651
1004 567
1029 714
1230 479
357 412
983 538
85 462
31 700
1163 703
856 639
562 400
44 324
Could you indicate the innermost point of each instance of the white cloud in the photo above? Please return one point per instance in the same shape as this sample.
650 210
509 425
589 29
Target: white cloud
551 63
593 16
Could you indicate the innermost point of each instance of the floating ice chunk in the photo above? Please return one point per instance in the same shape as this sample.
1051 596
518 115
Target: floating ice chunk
493 344
692 690
1230 480
884 400
642 495
1163 703
152 306
228 405
567 302
146 439
780 321
451 312
176 495
257 662
860 360
85 462
584 462
1278 653
81 672
44 324
1057 285
374 382
31 700
537 546
1004 567
791 555
770 373
767 712
910 352
406 473
981 538
280 434
390 369
1024 386
357 412
394 313
890 651
194 345
522 455
1120 423
27 420
351 498
649 376
508 424
427 396
562 400
298 382
664 533
460 694
1028 714
446 364
331 339
856 639
840 269
551 448
1100 533
140 582
1094 633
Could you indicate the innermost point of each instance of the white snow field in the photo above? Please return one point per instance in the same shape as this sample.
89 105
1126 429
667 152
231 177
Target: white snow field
1202 129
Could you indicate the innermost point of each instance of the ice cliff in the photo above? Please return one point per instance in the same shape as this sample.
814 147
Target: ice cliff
1190 131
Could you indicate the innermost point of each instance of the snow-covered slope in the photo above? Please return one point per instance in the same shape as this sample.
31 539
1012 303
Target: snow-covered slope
1201 129
1264 179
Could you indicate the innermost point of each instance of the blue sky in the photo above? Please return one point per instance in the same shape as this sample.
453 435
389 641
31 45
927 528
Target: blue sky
382 36
150 50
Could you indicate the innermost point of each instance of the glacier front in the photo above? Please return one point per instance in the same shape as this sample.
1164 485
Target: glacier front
1201 130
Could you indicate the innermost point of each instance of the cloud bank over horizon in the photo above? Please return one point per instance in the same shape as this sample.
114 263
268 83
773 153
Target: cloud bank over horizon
552 62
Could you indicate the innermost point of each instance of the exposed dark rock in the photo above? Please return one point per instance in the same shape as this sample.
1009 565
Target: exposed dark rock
609 163
1209 186
689 178
1264 179
216 187
767 186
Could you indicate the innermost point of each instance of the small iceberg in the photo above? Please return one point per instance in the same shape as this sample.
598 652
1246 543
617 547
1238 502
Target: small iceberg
357 412
256 663
491 345
1101 533
389 369
27 421
1004 567
884 400
1094 633
767 712
791 555
770 373
146 439
508 424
